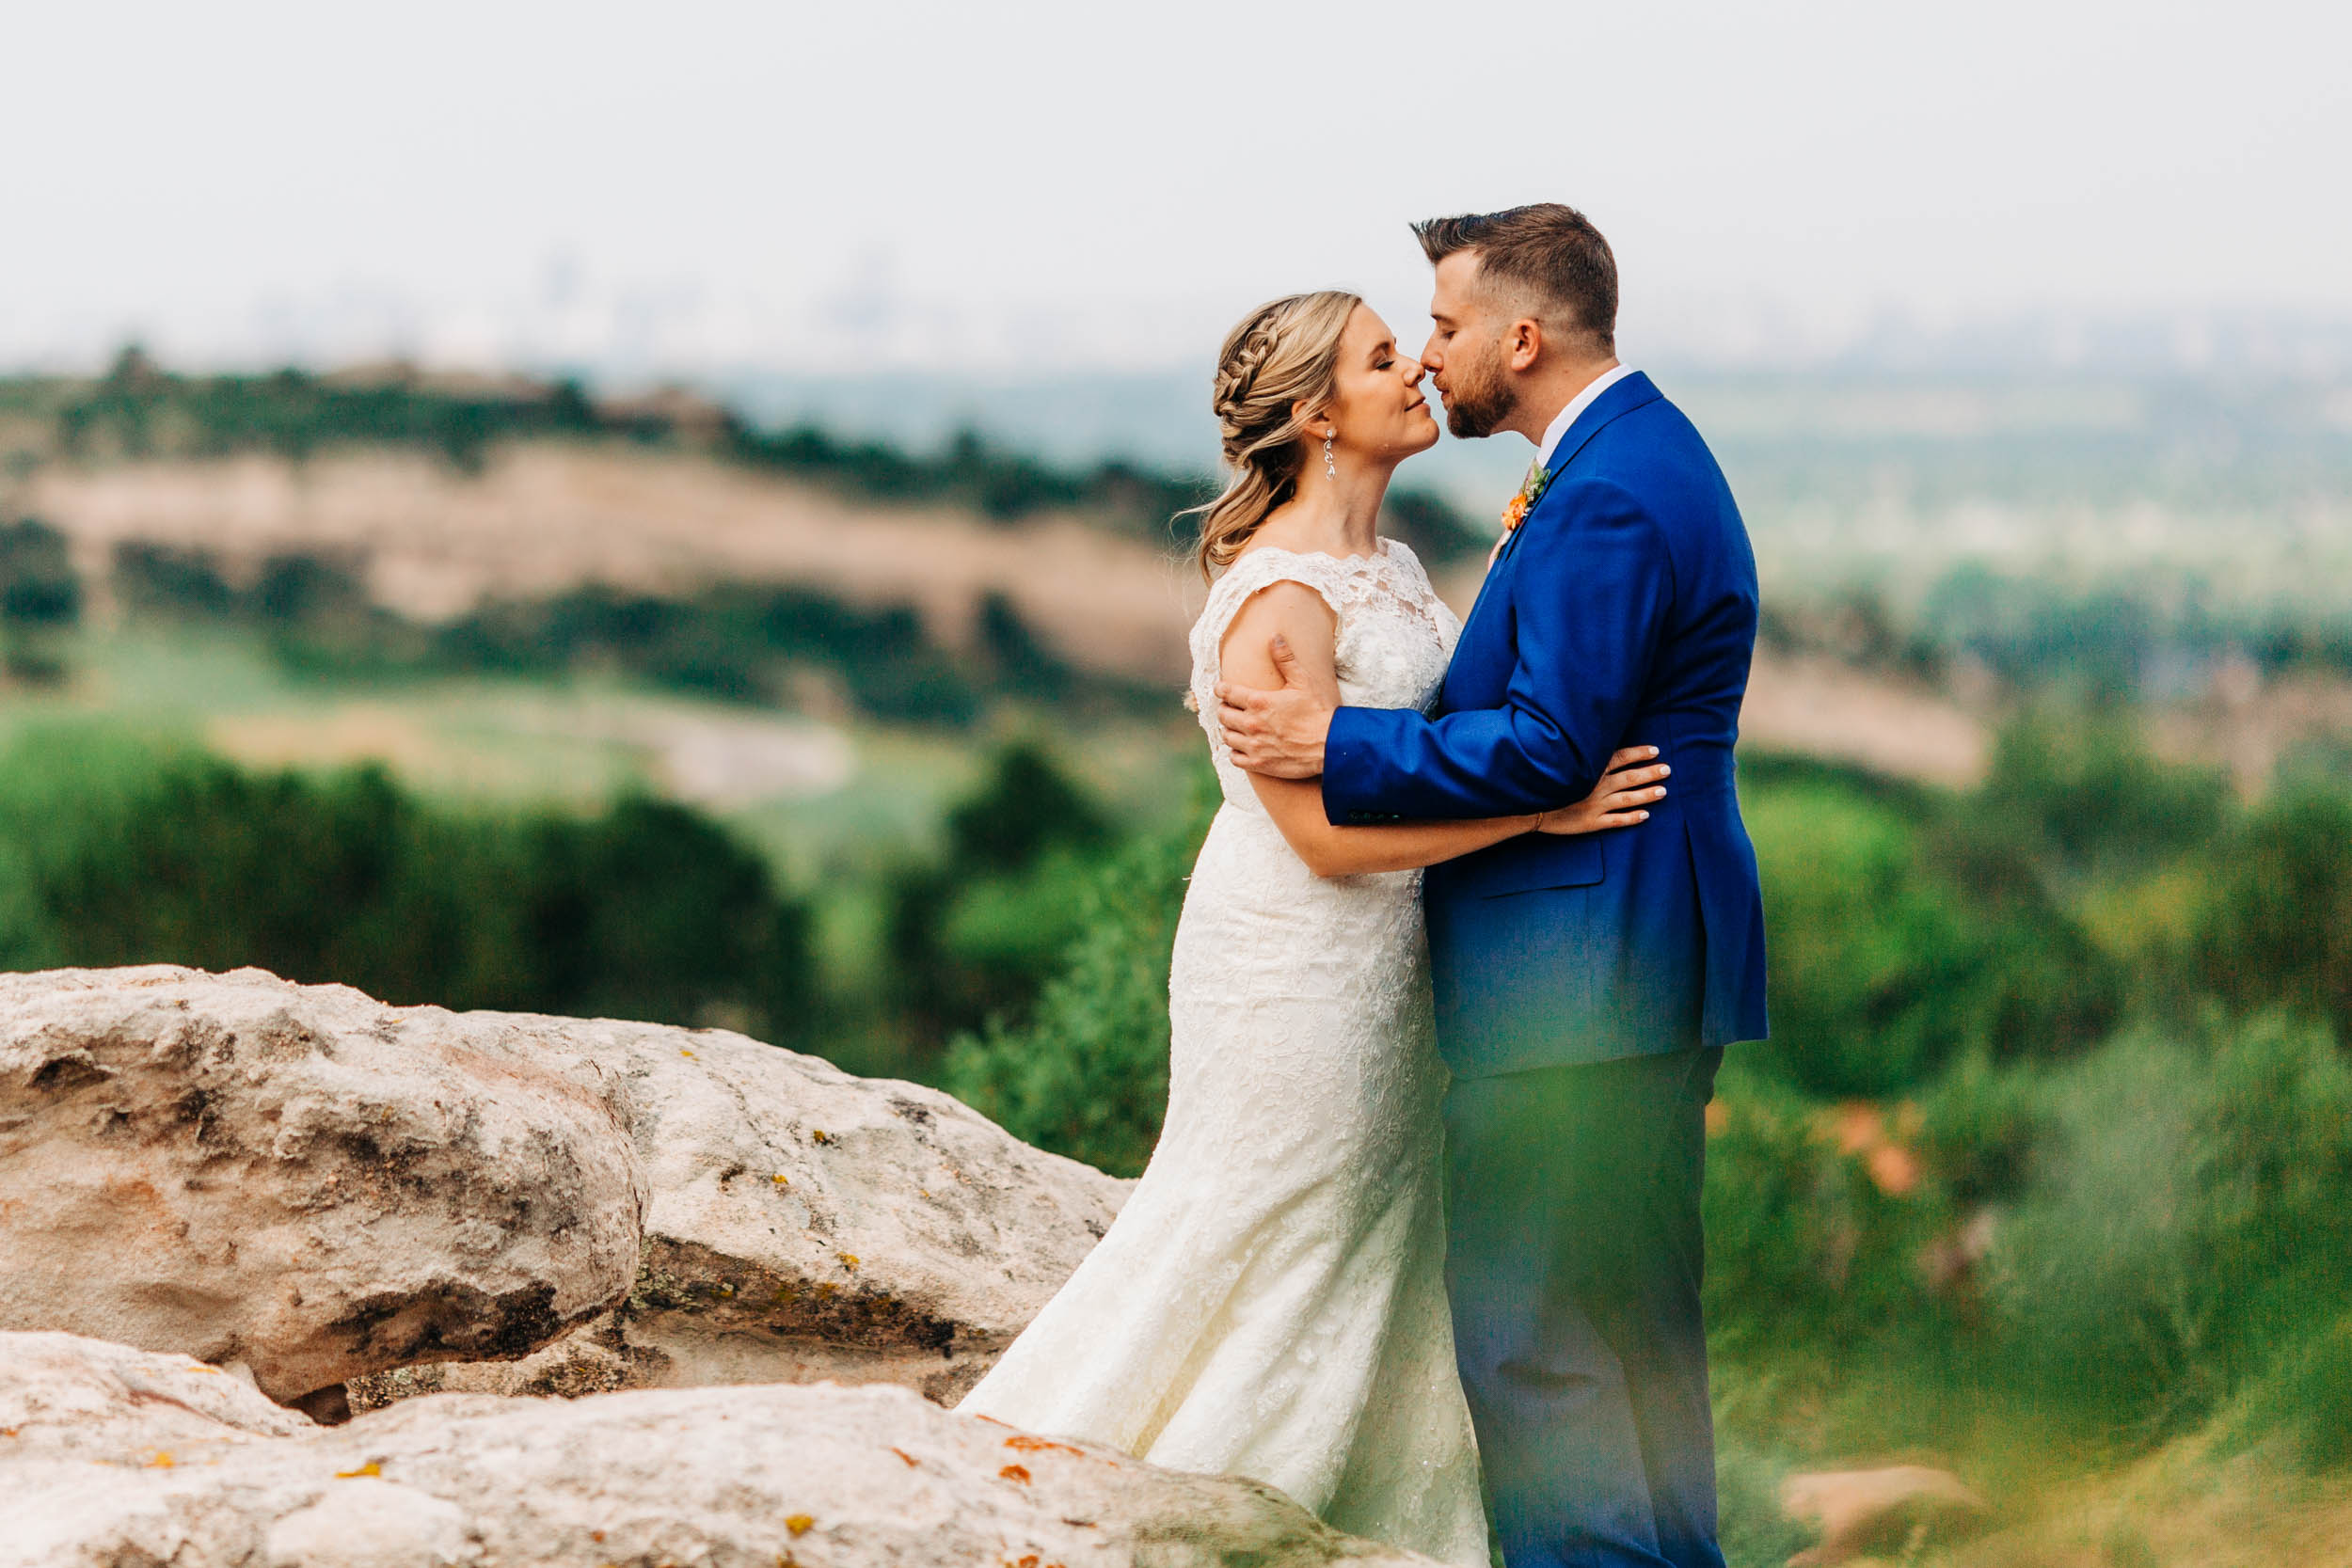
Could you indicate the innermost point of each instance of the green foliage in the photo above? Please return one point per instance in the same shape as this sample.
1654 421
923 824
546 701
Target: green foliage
139 411
2279 929
2109 1248
2185 1216
1024 807
38 586
1900 938
1792 1222
165 580
1429 524
977 931
1086 1074
1869 954
41 594
652 911
1004 487
2080 789
740 641
112 854
2148 634
2030 631
2306 1401
313 612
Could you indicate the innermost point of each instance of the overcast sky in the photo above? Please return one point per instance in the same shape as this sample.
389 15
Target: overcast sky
693 183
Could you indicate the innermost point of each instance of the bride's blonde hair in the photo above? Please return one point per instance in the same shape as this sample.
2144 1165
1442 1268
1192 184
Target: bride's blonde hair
1284 356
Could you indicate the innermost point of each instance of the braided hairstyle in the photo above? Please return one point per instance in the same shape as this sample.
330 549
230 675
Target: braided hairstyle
1278 369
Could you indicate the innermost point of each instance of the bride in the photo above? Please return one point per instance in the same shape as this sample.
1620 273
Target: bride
1271 1302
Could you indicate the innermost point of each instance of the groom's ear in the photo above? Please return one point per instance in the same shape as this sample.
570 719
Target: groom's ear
1523 343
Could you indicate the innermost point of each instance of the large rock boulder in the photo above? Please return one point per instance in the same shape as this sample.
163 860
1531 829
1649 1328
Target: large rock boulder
65 1397
719 1477
807 1224
329 1190
299 1179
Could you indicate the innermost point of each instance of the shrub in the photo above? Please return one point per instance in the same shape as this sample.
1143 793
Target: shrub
113 855
1870 953
1429 524
653 910
2082 789
2110 1248
38 586
165 580
2306 1401
2279 930
1086 1074
978 931
1905 928
1815 1215
2185 1214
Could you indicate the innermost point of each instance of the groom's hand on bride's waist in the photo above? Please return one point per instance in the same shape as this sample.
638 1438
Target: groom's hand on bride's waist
1277 732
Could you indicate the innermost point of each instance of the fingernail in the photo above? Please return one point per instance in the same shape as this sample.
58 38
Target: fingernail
1640 816
1663 769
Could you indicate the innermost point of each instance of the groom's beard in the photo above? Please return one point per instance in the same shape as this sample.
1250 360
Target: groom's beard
1479 400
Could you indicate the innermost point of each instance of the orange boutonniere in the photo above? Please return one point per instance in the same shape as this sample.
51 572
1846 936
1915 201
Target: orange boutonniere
1516 511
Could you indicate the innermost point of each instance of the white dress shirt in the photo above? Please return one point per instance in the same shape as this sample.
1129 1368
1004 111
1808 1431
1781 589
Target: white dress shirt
1576 405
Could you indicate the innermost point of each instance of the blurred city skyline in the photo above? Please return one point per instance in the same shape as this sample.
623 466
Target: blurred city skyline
1060 190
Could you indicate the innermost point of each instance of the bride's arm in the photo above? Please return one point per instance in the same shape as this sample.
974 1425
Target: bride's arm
1299 614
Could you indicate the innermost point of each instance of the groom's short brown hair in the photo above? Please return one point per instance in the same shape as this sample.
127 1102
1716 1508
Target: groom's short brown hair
1548 248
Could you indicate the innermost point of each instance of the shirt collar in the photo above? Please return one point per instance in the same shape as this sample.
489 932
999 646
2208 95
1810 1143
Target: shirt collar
1576 405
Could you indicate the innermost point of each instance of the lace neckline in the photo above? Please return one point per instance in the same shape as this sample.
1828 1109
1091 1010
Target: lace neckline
1380 551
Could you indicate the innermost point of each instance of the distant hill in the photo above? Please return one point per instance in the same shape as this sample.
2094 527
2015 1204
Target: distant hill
139 411
2116 429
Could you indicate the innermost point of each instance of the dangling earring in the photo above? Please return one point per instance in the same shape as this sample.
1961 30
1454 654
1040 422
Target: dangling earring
1330 470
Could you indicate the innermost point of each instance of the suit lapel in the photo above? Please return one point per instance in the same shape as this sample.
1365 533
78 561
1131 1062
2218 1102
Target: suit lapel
1628 394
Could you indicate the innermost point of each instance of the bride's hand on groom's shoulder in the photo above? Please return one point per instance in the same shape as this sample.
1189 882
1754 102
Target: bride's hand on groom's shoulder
1620 799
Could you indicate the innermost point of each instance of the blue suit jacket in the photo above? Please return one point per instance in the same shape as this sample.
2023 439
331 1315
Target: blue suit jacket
1621 612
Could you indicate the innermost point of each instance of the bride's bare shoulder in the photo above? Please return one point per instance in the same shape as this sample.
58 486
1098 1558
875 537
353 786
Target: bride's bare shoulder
1282 607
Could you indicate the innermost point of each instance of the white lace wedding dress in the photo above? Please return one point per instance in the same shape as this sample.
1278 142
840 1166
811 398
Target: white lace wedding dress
1271 1302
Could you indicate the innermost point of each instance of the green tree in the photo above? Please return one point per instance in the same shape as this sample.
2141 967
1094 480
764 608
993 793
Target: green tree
40 595
1086 1072
2078 787
977 932
1902 933
2277 930
648 911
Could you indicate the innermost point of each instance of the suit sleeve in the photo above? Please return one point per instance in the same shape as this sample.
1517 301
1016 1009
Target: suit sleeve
1592 589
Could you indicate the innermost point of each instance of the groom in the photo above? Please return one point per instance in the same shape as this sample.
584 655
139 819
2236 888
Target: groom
1585 986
